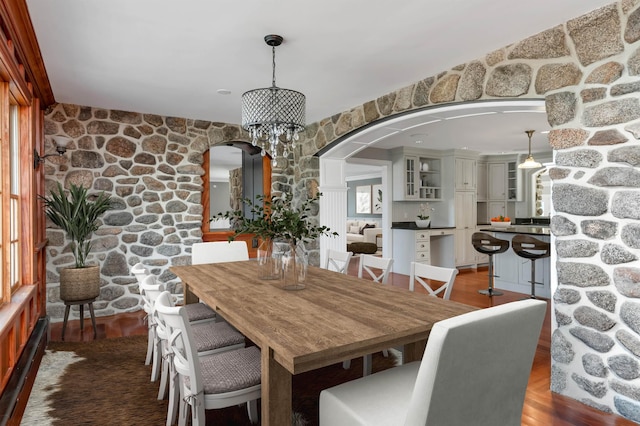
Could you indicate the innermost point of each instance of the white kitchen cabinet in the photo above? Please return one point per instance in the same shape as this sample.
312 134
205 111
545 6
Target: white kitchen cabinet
465 174
481 183
514 187
466 220
432 246
497 181
497 208
416 178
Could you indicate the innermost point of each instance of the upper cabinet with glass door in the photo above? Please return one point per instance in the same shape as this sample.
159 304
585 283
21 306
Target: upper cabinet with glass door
416 177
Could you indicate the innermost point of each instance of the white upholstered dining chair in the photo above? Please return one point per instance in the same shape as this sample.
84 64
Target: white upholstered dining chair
219 251
421 272
211 381
210 337
338 261
474 371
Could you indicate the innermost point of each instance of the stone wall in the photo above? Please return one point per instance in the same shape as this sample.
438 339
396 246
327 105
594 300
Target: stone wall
235 189
588 72
152 167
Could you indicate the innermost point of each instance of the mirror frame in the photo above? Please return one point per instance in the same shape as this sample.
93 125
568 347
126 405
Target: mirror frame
209 235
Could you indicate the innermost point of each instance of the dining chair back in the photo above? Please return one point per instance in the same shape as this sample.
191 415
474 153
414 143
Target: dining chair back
213 381
150 290
474 371
377 268
139 271
219 251
421 272
338 261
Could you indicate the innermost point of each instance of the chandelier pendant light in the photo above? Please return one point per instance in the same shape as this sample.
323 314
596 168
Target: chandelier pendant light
529 162
273 116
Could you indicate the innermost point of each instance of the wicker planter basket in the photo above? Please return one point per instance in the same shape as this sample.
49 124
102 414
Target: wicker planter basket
79 283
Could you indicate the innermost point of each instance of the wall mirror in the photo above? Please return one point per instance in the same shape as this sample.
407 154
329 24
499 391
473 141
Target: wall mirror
233 171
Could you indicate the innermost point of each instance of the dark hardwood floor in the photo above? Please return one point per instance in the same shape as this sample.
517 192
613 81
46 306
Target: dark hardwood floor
542 407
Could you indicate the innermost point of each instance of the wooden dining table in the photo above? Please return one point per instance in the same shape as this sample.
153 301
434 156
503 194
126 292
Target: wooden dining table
335 318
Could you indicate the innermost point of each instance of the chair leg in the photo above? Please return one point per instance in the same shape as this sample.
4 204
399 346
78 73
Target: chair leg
183 412
164 375
252 409
150 340
93 320
174 397
157 359
66 317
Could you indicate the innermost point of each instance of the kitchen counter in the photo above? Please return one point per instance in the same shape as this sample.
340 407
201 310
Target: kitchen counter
519 229
413 226
513 272
434 246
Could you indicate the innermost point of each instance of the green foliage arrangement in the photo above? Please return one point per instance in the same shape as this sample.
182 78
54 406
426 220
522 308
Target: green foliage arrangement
277 218
77 216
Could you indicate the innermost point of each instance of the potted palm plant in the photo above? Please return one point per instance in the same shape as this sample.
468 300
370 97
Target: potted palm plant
77 215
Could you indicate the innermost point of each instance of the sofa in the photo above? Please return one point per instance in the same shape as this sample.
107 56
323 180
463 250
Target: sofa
357 233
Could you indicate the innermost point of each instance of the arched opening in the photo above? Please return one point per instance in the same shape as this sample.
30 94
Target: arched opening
248 174
486 128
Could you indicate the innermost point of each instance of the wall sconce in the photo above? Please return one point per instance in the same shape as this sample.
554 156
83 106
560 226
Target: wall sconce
60 143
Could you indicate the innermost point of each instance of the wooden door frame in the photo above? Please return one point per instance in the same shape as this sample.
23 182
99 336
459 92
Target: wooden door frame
207 233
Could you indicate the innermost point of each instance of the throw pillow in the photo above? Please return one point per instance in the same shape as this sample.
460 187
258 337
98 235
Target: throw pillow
367 225
354 229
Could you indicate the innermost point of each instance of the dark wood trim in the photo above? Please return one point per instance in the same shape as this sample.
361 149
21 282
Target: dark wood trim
14 400
207 234
19 28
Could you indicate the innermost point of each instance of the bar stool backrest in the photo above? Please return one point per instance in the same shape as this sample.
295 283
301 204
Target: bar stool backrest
488 244
529 247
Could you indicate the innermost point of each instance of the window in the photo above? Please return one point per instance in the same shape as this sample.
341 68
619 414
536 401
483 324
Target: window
14 207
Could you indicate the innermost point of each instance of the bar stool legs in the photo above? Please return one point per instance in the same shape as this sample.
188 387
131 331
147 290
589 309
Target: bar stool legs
531 248
489 245
491 291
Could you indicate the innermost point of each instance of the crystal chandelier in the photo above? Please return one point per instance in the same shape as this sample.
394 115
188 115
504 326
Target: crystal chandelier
529 162
273 116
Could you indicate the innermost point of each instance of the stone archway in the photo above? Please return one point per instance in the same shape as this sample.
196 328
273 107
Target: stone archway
588 72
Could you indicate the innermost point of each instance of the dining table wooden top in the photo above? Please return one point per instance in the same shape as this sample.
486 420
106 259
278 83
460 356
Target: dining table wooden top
334 318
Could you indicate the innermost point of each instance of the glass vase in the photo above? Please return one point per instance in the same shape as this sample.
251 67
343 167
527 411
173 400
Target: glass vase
269 260
294 267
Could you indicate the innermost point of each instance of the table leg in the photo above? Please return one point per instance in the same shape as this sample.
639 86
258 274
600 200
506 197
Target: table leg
413 351
276 391
189 297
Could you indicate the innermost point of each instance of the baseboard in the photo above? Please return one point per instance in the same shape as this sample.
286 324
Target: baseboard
14 399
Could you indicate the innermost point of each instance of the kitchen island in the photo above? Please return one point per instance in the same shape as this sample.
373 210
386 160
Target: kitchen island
513 273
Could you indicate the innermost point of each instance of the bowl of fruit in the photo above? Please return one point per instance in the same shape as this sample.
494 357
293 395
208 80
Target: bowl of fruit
501 221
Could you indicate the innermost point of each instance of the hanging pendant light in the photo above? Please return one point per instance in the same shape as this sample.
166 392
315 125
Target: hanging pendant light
273 116
529 162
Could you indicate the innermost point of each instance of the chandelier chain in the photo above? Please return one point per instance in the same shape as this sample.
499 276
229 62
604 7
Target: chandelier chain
273 58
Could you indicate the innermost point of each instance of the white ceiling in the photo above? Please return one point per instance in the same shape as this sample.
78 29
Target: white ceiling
171 57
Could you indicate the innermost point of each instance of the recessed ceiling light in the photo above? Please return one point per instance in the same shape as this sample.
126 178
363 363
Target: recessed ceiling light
419 141
223 91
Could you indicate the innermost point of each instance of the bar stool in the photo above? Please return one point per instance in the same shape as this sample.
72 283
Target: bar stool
531 248
490 245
